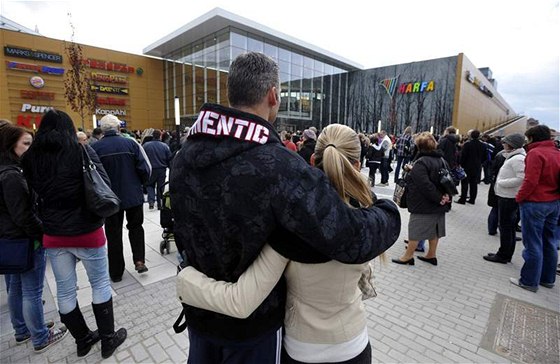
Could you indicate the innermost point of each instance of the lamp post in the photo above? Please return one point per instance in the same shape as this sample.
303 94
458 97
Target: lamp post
379 126
94 118
177 115
431 129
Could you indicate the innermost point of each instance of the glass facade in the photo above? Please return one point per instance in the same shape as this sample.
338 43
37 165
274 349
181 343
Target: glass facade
313 91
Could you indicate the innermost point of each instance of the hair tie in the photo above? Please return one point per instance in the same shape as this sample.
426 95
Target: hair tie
330 145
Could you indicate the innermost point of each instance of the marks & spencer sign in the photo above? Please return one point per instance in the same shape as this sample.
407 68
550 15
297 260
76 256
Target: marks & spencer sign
32 54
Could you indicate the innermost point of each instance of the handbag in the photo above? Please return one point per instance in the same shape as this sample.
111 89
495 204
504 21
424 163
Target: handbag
399 196
446 180
99 198
458 173
16 255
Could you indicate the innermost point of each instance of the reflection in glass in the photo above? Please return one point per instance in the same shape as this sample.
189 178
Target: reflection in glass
271 50
238 40
254 45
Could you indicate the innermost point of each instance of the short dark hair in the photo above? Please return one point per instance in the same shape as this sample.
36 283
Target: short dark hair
97 132
156 134
250 77
538 133
475 134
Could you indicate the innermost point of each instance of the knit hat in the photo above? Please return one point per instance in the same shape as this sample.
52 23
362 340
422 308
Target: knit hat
309 134
515 140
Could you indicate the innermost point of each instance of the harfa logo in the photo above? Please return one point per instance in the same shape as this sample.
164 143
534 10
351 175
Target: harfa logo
390 85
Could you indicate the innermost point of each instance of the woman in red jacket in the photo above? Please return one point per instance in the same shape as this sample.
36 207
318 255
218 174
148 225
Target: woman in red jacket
539 203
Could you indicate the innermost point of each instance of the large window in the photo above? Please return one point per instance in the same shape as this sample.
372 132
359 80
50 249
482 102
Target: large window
313 91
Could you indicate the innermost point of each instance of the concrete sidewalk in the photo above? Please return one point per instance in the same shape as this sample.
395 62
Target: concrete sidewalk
463 310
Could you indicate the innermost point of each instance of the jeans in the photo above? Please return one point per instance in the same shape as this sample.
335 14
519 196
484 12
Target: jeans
63 261
507 212
25 300
384 169
539 222
401 161
113 229
156 179
493 221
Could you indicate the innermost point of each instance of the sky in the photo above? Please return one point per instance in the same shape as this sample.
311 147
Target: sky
517 39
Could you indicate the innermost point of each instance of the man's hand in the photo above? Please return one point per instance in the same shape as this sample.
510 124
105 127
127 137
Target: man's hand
445 199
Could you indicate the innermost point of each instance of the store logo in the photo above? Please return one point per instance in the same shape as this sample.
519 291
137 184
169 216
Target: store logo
108 66
110 101
35 109
116 112
109 89
36 95
105 77
475 81
37 82
34 68
416 87
32 54
390 85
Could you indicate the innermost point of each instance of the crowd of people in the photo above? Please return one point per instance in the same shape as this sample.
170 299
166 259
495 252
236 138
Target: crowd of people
266 235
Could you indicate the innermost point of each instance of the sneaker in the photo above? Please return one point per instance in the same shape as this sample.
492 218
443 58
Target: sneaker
547 285
383 184
55 335
516 282
25 338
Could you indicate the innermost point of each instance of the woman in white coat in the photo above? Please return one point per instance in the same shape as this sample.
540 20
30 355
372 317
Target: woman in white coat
508 182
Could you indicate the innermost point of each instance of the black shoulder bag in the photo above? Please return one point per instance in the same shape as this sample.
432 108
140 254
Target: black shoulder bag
99 198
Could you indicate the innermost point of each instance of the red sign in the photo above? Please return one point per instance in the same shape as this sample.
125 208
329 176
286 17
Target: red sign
36 95
27 121
109 66
111 101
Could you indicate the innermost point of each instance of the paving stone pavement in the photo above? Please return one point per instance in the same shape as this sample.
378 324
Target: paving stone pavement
422 314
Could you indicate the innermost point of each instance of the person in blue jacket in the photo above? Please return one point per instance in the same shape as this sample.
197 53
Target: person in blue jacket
128 168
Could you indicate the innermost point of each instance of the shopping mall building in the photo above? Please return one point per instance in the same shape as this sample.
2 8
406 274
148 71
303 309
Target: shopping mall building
191 64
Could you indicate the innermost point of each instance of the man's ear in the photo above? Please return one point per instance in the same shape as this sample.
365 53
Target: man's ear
273 97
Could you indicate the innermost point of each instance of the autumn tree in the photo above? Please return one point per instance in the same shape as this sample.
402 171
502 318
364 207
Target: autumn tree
77 83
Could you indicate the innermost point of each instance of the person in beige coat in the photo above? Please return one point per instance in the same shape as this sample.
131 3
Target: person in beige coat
325 319
508 182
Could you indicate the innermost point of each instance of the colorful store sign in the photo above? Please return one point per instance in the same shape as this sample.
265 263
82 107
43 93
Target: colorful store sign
37 82
34 68
109 89
390 84
475 81
105 77
110 101
32 54
35 109
416 87
116 112
108 66
36 95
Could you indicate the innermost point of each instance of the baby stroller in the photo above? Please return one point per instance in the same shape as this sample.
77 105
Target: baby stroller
166 221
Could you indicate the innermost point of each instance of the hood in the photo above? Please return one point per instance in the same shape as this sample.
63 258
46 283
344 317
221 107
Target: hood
9 166
453 138
221 133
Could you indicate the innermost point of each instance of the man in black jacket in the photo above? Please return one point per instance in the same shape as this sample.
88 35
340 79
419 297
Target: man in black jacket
234 187
474 152
448 146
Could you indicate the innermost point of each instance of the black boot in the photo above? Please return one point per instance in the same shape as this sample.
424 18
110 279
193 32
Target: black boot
85 338
110 339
